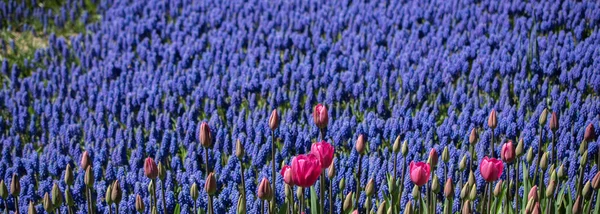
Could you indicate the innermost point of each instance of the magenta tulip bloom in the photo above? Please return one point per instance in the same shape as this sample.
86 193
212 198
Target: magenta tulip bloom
324 152
320 116
508 152
419 173
286 173
305 170
491 169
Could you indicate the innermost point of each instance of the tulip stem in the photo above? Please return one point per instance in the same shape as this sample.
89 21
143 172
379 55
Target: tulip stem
273 149
210 205
116 208
322 191
358 180
536 174
402 182
301 207
89 199
517 185
331 197
206 157
368 204
507 196
394 179
489 202
195 208
492 145
262 206
16 204
243 180
109 209
5 206
290 199
164 202
154 194
580 183
554 156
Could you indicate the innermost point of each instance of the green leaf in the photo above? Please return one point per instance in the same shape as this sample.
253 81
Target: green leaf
597 207
177 209
423 206
314 205
283 208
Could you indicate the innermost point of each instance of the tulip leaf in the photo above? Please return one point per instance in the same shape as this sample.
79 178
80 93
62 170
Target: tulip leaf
597 207
177 209
283 208
314 205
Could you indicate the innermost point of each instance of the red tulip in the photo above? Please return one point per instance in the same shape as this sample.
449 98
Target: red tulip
320 116
305 170
150 168
419 173
205 135
324 152
286 173
508 152
491 169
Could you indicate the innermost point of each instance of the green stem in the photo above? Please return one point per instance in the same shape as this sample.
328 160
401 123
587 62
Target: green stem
210 205
243 190
489 202
116 208
554 156
539 156
506 200
154 195
206 164
262 207
517 186
89 199
401 183
492 145
322 191
195 208
109 209
301 201
358 180
330 197
580 183
273 173
368 204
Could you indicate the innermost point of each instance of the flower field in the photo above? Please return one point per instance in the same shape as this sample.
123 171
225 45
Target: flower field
215 107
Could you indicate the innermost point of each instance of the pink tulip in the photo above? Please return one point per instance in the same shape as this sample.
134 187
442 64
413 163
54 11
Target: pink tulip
150 168
419 173
320 116
491 169
305 170
286 173
324 152
508 152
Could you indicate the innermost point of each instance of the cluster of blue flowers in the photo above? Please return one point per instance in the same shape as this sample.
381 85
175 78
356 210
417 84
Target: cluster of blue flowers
139 82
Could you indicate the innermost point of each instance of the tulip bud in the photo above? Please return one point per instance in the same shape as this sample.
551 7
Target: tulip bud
162 172
274 120
463 163
404 148
241 205
471 178
435 184
239 149
464 192
553 176
389 211
139 204
553 122
584 158
69 198
445 155
583 147
544 161
151 186
56 196
596 181
89 177
396 146
561 172
408 209
449 188
154 211
107 195
347 202
150 168
433 158
473 137
550 189
211 184
466 208
473 193
342 184
543 116
530 205
361 144
331 170
416 192
590 134
299 192
520 149
381 209
15 186
205 135
492 119
577 206
587 191
498 188
117 193
533 193
69 179
85 160
530 155
320 116
31 208
537 209
370 188
47 202
3 190
264 190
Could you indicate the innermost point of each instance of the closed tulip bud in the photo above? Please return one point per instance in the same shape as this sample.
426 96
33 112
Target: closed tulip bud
274 120
85 160
584 157
553 176
139 204
151 186
473 193
150 168
331 170
464 192
107 195
205 135
543 117
492 119
241 205
31 208
370 188
498 188
342 184
544 161
473 137
520 150
69 198
445 155
408 208
508 152
405 148
587 190
299 192
530 205
433 158
69 179
577 206
533 193
117 193
530 155
361 144
56 196
3 190
553 122
583 147
347 202
15 186
435 184
89 177
466 208
463 163
596 181
239 149
590 134
162 172
381 209
449 188
154 210
397 145
471 178
211 184
416 191
550 189
537 209
562 172
390 211
320 116
264 190
47 202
